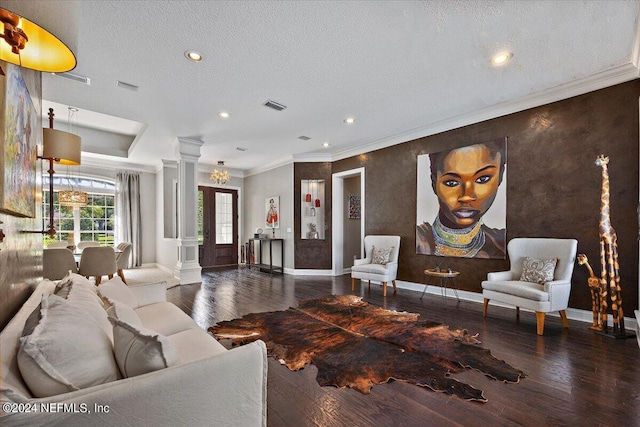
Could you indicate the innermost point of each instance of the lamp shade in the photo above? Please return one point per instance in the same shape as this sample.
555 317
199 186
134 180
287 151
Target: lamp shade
28 45
63 147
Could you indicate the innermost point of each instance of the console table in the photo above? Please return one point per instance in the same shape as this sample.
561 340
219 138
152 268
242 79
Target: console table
262 243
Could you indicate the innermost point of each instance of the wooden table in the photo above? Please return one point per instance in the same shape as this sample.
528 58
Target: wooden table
443 275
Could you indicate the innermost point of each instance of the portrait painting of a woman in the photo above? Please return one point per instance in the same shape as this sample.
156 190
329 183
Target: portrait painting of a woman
461 202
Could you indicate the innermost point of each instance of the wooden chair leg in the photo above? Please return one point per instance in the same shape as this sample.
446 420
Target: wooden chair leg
518 314
563 316
353 283
395 290
484 307
384 289
369 285
540 322
98 280
110 276
121 274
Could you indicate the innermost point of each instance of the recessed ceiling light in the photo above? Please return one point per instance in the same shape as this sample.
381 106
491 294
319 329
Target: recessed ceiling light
193 55
223 114
326 144
501 58
349 120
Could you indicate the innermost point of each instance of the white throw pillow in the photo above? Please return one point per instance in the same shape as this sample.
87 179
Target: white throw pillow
125 313
116 290
81 296
538 270
139 350
78 279
63 349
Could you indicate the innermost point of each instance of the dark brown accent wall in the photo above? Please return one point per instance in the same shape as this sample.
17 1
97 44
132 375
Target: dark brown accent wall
312 254
553 186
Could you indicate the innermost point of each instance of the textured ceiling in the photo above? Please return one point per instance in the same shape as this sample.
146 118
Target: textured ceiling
403 69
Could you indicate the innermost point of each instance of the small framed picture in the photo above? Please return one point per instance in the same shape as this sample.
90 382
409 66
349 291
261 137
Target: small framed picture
272 208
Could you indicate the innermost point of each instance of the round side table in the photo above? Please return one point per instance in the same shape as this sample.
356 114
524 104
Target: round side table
443 275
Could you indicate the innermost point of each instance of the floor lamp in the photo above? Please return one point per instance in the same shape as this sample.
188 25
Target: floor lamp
60 147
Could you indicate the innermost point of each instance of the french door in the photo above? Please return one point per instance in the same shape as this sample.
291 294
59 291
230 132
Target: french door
217 226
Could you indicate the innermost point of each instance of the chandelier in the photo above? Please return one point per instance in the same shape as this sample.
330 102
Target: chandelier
220 174
72 198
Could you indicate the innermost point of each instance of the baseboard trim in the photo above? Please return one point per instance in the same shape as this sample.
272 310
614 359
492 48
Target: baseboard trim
307 272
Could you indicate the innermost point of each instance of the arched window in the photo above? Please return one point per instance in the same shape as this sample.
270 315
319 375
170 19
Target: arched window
95 221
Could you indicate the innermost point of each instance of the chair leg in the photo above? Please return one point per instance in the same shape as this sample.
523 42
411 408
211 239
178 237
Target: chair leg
353 284
565 321
121 274
540 322
384 289
484 307
98 280
518 314
110 276
369 285
395 290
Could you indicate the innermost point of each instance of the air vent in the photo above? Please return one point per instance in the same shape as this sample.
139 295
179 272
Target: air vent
74 77
127 86
241 149
304 138
276 106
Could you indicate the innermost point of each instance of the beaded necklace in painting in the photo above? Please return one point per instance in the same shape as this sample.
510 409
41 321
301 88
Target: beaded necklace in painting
458 242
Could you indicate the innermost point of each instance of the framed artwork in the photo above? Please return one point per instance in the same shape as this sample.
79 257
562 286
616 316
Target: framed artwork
461 203
19 141
354 207
272 209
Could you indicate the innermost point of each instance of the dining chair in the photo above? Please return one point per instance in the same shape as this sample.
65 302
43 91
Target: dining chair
57 262
98 262
53 245
122 258
88 244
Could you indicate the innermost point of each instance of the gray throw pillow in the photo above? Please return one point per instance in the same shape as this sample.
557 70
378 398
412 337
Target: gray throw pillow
538 270
381 256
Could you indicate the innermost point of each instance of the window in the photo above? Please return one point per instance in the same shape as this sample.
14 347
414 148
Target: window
95 221
224 218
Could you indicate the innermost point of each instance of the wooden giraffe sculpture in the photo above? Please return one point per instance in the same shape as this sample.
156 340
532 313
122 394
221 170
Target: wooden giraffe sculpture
609 275
594 286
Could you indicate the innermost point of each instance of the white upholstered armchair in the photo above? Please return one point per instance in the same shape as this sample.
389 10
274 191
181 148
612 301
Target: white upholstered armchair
539 278
380 263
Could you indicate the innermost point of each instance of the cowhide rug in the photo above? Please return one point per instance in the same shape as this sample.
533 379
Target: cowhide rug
356 345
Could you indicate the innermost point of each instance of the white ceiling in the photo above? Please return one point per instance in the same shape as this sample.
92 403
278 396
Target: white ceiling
403 69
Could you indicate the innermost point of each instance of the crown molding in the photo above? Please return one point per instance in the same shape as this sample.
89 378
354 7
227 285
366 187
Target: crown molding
313 157
635 49
603 79
269 166
106 162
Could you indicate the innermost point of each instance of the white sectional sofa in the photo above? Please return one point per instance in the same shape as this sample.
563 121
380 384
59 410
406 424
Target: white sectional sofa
203 384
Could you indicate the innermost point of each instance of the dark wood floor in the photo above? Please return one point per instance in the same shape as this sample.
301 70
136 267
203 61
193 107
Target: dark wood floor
573 376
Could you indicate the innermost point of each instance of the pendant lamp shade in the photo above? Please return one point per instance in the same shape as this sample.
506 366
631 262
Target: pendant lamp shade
63 147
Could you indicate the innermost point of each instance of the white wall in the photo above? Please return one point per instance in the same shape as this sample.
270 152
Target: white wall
275 182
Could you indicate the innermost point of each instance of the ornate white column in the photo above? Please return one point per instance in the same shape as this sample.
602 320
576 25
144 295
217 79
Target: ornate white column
188 268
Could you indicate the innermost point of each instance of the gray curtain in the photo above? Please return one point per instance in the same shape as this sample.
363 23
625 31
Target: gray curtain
128 218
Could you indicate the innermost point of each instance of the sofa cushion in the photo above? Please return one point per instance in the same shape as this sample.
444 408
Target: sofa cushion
64 350
528 290
125 313
116 290
139 350
370 268
538 270
78 279
164 318
381 255
195 344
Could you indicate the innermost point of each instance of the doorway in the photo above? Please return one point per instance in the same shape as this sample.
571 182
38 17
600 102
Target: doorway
217 226
342 248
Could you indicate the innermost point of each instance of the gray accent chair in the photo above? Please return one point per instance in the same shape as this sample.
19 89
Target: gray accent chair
56 263
506 286
122 258
365 269
98 262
